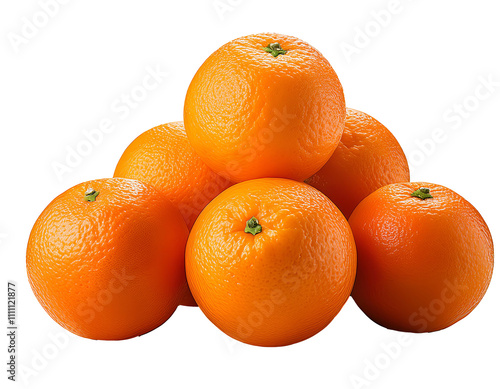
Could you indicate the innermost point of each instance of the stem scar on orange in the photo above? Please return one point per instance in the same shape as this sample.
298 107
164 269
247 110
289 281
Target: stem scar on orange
265 105
271 261
425 257
105 259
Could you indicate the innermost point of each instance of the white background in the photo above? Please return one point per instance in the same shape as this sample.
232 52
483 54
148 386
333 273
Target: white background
413 73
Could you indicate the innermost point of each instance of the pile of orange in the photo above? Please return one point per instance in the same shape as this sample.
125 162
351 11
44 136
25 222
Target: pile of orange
268 207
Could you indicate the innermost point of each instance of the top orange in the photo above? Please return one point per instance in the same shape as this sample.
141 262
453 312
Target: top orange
265 105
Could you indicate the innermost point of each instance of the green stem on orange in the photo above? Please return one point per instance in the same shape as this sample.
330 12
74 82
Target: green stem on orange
253 227
422 193
275 49
91 194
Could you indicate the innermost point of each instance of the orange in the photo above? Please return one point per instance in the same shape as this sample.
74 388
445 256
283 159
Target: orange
163 158
425 257
368 157
265 105
105 259
271 261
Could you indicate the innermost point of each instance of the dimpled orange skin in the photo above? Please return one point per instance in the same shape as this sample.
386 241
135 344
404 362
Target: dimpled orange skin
423 265
282 285
163 157
251 115
368 157
110 269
